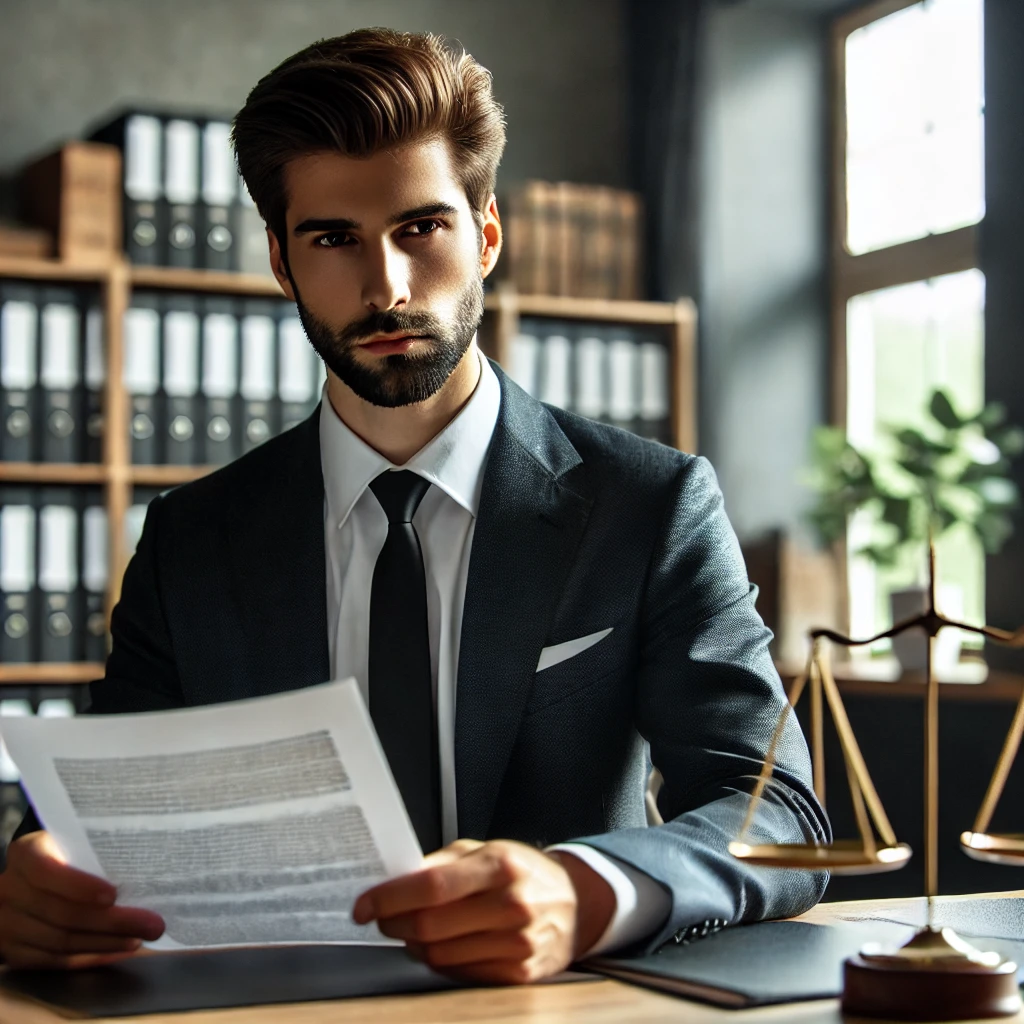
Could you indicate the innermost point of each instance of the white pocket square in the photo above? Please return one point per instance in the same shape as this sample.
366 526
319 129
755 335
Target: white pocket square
562 652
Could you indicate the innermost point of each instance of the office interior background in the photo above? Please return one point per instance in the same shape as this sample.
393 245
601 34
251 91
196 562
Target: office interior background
730 223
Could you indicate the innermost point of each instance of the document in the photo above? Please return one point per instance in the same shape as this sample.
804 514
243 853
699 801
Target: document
249 823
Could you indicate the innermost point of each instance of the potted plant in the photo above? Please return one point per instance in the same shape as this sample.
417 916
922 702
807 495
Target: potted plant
920 483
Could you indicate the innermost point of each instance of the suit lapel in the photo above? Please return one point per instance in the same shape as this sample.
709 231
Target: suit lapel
527 530
277 550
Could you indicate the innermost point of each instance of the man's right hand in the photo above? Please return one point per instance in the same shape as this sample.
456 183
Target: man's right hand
53 915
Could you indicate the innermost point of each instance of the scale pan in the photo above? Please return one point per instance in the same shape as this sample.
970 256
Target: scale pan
996 849
846 857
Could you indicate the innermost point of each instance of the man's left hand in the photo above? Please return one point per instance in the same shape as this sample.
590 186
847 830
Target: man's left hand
500 912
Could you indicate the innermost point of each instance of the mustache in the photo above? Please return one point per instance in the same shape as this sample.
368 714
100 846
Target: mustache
390 321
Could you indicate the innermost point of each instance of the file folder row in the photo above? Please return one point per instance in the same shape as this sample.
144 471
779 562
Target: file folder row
52 373
615 374
54 570
19 701
211 378
184 202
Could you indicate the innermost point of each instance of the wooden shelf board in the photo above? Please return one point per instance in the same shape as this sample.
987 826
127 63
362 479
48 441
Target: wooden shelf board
38 673
54 270
52 473
573 308
167 476
223 282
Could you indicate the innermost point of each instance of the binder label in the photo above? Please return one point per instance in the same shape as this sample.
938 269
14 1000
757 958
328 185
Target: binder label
295 377
59 370
181 353
95 563
141 351
590 387
17 549
142 158
623 379
181 179
220 355
95 353
257 358
654 394
18 345
58 561
219 174
555 377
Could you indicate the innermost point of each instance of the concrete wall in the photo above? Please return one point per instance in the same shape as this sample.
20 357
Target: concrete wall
762 259
558 67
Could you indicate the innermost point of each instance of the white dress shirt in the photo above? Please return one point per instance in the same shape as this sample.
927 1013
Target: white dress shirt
355 528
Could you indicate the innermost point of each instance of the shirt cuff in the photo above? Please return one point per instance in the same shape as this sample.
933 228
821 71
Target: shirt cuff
641 905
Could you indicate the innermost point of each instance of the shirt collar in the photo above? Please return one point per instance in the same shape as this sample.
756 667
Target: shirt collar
453 460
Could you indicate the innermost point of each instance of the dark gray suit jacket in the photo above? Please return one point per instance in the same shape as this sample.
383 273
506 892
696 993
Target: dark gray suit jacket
581 527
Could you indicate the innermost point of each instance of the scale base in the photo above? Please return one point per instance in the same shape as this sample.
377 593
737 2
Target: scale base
936 976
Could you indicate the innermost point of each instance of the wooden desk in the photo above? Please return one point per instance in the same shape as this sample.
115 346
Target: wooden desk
597 1002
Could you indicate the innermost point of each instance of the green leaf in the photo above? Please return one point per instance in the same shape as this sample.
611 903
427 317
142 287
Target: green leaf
1009 440
994 528
942 409
992 415
896 512
976 472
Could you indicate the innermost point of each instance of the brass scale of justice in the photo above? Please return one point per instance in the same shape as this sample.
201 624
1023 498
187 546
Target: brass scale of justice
936 975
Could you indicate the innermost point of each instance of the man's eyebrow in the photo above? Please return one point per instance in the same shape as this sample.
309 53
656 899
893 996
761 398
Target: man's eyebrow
346 224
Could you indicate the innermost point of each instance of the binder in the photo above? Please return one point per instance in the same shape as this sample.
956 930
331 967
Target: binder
220 180
11 708
95 362
296 379
18 620
140 137
654 391
60 376
95 569
56 707
61 619
261 410
556 356
253 251
181 380
181 189
623 379
525 359
135 518
19 372
142 376
591 374
221 440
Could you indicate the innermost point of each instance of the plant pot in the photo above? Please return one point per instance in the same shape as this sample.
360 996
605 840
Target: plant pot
911 647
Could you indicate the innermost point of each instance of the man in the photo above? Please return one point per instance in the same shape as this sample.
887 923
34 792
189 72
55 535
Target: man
524 596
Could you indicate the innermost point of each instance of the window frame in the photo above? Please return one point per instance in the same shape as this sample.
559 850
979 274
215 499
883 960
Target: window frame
948 252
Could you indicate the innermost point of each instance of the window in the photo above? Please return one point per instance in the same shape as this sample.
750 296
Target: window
909 299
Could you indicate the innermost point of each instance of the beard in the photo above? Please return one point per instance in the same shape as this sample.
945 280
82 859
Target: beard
400 379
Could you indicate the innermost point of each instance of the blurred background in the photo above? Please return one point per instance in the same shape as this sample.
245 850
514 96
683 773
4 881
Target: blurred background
785 234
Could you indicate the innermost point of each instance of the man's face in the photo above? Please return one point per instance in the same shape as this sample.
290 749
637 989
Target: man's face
388 259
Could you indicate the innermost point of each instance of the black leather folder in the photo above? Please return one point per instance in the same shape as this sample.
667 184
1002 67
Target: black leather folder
176 982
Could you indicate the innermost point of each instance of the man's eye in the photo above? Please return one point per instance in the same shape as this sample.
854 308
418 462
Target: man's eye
333 240
423 227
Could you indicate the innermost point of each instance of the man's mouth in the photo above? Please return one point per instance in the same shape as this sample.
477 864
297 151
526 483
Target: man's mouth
390 344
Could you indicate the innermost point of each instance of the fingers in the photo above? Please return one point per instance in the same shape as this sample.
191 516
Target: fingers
20 955
496 909
488 866
48 938
53 910
37 860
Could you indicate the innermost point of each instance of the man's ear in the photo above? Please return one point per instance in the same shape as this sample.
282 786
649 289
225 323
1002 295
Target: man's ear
491 238
279 266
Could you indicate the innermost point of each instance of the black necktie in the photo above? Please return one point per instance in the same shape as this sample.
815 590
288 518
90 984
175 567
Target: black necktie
401 692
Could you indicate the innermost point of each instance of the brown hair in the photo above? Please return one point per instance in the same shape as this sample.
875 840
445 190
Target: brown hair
362 92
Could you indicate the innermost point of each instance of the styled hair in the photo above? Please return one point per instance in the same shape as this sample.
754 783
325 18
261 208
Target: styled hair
363 92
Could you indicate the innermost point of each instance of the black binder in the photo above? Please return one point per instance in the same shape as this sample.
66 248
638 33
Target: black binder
60 377
142 377
221 441
140 138
19 372
220 180
181 189
94 362
181 332
94 545
296 374
258 387
60 597
18 594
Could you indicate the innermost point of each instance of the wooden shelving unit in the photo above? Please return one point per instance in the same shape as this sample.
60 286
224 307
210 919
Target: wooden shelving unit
117 279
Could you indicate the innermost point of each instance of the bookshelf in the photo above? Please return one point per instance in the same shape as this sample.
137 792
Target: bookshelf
116 474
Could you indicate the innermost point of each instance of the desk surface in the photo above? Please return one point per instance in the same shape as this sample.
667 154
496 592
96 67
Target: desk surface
597 1002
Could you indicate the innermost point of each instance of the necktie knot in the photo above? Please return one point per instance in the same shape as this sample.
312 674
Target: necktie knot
399 494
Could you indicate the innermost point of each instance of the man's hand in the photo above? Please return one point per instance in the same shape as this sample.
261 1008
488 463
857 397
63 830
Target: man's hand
52 915
499 912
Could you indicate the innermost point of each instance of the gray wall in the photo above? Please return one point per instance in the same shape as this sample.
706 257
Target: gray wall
762 258
559 68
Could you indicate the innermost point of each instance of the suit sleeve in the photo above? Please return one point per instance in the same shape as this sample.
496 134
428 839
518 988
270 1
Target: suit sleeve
707 700
140 672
